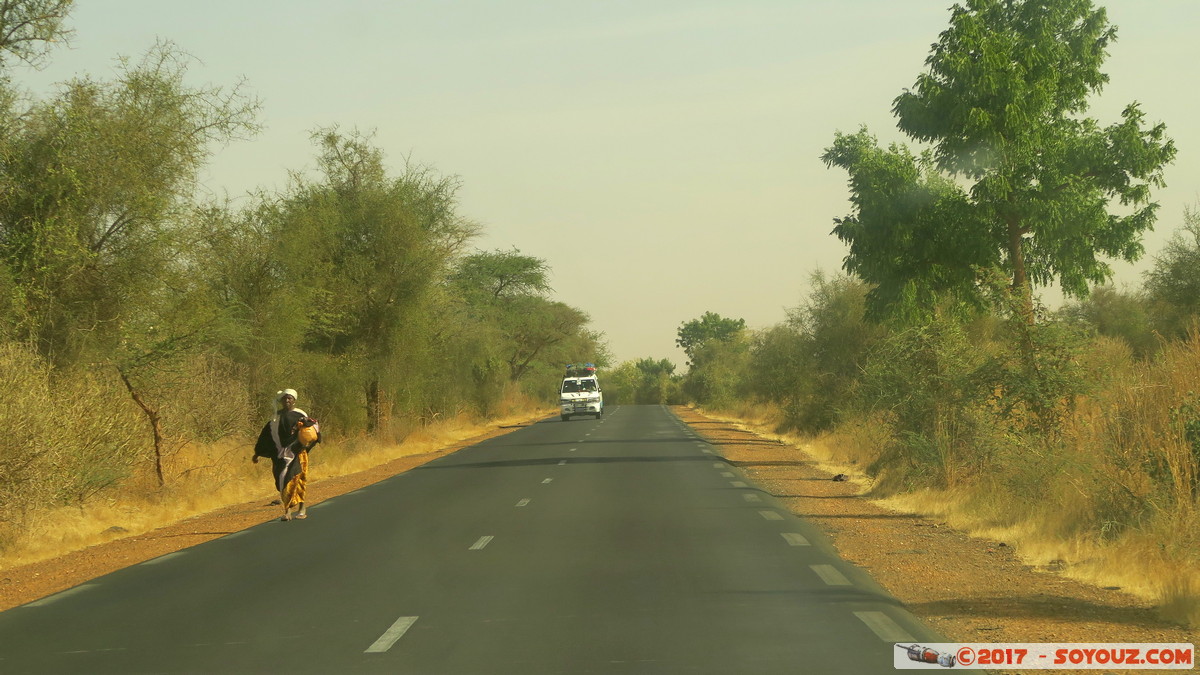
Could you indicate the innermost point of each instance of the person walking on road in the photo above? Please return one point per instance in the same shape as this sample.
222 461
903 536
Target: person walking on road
286 439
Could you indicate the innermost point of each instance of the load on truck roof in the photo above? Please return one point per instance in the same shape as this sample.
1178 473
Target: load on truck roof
580 370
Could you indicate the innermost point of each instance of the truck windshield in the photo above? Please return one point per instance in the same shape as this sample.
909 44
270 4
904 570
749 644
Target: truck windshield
570 386
587 385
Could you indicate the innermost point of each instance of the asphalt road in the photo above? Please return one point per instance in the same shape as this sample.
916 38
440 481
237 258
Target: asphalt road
621 545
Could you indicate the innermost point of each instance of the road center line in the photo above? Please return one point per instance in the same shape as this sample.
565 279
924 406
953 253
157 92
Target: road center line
883 626
718 465
770 515
725 474
547 480
391 635
830 575
523 502
795 539
483 541
738 484
752 497
562 462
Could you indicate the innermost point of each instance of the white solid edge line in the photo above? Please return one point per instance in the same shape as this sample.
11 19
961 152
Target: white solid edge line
391 635
883 626
830 575
481 542
795 539
60 595
176 554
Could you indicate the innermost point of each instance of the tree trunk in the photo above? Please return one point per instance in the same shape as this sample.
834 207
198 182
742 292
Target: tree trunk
155 425
1020 280
1027 323
373 404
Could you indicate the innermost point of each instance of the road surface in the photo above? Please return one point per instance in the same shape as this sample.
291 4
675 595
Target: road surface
620 545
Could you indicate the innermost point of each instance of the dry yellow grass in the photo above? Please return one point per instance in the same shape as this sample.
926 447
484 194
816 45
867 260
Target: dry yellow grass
1153 563
205 478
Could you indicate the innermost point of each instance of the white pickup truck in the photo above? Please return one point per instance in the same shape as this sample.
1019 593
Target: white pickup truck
580 393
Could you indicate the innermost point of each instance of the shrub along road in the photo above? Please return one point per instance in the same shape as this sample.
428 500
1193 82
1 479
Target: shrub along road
619 545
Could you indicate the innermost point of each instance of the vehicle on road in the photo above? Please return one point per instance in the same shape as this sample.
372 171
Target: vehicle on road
580 393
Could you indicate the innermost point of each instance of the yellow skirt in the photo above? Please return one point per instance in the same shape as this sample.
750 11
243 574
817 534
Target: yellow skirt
293 492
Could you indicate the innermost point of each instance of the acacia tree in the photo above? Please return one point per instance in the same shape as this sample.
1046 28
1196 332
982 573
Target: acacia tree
505 293
502 274
28 27
1002 105
364 251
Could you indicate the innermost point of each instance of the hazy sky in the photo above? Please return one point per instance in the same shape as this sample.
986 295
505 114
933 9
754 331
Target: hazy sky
662 156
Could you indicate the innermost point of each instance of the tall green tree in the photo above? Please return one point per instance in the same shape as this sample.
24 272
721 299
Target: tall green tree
694 334
1003 105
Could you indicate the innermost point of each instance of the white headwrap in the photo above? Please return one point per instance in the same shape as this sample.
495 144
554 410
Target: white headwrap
280 394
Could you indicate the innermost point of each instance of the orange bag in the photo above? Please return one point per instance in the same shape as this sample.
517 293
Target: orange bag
307 432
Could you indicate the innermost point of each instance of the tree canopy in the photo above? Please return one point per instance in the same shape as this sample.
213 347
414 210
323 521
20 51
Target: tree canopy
1017 178
709 327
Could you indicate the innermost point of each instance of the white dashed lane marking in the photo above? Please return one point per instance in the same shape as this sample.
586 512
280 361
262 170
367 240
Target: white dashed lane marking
830 575
725 474
770 515
738 484
794 539
481 542
391 635
523 502
883 626
547 480
752 497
